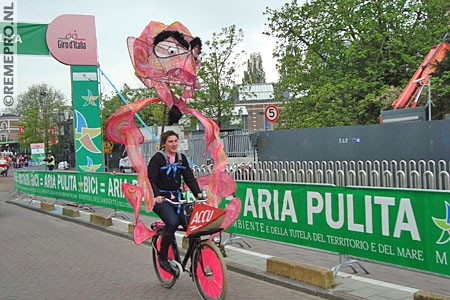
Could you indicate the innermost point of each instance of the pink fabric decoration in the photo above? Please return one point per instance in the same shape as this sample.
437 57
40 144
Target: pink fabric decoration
158 65
134 196
121 128
156 72
142 233
225 187
233 209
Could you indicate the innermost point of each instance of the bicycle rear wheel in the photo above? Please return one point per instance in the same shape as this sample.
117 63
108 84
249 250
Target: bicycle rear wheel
166 279
209 272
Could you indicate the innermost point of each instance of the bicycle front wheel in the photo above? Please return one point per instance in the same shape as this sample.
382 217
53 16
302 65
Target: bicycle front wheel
166 279
209 272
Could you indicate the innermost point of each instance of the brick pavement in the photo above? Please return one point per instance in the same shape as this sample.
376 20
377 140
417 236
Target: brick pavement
44 257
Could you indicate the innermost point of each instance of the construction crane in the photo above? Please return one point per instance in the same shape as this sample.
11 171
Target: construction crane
411 93
403 109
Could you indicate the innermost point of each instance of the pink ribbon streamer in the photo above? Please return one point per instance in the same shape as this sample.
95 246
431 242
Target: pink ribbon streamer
121 128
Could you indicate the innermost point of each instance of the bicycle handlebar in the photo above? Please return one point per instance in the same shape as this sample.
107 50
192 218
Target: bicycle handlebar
184 201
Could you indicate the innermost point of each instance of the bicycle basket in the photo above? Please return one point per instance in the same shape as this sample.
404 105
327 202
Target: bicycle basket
187 211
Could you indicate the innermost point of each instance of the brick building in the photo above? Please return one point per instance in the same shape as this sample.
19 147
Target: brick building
9 132
255 98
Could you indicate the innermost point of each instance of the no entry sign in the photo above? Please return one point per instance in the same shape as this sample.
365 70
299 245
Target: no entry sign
271 113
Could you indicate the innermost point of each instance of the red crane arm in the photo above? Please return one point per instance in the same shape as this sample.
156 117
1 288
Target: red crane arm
422 76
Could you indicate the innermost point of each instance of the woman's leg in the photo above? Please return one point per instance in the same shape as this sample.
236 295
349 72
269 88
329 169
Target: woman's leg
168 215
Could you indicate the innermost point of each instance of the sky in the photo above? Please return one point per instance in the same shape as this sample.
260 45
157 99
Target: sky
116 20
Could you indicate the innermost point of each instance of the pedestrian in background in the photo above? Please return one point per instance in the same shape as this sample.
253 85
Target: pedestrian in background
50 159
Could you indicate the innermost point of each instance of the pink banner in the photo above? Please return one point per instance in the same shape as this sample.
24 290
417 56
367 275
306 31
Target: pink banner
71 40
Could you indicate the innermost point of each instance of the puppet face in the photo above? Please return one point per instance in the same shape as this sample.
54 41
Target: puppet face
166 54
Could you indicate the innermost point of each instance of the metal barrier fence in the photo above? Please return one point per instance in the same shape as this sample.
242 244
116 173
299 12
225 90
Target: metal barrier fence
235 144
421 174
430 175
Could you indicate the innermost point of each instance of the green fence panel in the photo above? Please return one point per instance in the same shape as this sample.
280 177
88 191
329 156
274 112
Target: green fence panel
398 226
101 189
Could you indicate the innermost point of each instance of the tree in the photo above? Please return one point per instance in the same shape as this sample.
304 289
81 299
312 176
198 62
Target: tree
217 75
337 57
42 110
440 87
255 70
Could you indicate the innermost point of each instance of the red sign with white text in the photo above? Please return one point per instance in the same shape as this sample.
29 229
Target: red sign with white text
205 217
271 113
71 40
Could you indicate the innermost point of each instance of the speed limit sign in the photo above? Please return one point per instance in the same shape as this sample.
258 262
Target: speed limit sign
271 113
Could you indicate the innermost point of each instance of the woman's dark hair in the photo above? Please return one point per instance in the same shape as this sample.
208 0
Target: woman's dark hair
166 135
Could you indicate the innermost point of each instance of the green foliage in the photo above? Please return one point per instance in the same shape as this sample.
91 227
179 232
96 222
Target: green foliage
217 75
337 57
41 110
440 86
255 70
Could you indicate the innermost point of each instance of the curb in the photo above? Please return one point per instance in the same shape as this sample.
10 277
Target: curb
425 295
313 275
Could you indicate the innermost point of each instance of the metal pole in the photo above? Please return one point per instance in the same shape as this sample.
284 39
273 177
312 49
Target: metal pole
163 124
429 99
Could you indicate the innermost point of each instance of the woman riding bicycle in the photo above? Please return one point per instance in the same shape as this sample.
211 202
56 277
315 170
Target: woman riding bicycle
164 172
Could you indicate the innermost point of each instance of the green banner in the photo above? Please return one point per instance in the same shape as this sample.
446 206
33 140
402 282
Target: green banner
29 38
87 126
101 189
409 228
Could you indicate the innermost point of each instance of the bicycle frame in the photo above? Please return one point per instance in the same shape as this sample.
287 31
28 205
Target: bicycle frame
207 268
194 243
195 240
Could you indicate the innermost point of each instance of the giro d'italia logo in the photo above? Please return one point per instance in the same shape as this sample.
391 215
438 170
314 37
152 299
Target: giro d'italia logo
444 225
72 41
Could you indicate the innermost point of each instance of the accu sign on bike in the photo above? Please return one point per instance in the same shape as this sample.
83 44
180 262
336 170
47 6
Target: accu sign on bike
205 216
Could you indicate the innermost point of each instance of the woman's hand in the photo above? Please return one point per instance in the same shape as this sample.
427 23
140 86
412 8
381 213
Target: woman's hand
159 199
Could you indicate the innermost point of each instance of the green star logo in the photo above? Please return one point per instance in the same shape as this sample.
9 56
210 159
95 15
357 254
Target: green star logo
89 99
444 225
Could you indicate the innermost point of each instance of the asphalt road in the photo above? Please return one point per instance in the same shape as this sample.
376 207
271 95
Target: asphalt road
42 257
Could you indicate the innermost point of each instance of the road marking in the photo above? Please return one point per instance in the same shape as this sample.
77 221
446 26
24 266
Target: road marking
378 282
249 252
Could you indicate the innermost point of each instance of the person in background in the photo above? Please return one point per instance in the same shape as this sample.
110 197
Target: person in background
50 159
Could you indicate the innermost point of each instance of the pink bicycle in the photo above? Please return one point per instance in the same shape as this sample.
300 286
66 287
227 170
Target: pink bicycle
207 266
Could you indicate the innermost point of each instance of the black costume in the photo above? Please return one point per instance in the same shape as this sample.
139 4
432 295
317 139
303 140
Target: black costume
162 179
165 179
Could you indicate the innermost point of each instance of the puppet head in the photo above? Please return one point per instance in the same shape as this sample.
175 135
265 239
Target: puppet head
164 55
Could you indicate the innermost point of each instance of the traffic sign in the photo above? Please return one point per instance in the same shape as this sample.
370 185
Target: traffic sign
271 113
107 146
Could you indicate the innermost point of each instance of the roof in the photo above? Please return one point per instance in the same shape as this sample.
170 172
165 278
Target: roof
256 92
